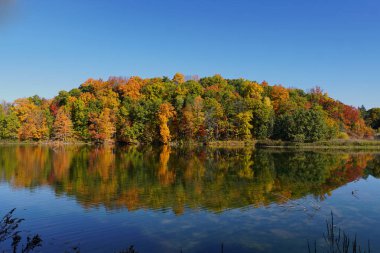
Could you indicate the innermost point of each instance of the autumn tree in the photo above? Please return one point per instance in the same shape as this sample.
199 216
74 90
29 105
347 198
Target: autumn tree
244 125
187 124
199 117
193 120
130 88
215 119
34 127
178 78
132 110
63 126
279 96
252 90
33 119
165 113
102 127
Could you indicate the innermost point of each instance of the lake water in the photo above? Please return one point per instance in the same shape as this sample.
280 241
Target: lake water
168 200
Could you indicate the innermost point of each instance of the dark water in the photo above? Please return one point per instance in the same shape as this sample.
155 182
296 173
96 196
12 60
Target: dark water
168 200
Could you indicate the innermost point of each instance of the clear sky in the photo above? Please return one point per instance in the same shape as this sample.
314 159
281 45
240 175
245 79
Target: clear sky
52 45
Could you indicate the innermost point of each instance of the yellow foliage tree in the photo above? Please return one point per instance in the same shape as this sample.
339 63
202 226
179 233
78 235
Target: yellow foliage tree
33 120
165 113
178 78
253 90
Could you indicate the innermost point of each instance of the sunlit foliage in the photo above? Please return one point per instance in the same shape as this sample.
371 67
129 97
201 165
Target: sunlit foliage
164 110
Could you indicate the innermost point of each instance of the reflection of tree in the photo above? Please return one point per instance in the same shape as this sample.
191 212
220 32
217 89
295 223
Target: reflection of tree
353 169
28 164
61 161
165 176
301 173
246 165
374 167
215 179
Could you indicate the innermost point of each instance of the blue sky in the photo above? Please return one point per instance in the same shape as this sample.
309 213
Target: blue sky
52 45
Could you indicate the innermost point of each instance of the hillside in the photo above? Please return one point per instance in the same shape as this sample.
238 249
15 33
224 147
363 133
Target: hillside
163 110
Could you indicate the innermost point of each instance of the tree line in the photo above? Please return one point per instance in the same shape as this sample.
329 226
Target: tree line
163 110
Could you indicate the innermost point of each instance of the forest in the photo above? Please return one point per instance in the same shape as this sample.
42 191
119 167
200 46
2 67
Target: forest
163 110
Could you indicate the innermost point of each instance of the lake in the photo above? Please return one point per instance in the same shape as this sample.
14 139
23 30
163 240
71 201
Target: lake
104 199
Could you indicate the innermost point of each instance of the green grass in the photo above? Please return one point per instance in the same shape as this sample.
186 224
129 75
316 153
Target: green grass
331 144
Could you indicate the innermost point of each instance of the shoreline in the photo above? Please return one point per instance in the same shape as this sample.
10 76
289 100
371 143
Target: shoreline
362 144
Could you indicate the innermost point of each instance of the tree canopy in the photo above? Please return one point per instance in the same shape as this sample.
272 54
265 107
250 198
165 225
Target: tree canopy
164 110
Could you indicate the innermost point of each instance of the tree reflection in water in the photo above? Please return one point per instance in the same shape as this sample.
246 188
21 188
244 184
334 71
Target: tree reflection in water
168 178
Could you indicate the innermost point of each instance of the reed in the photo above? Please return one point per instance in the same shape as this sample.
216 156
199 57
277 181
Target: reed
338 241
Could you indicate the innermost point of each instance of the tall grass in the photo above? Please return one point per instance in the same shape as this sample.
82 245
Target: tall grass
338 241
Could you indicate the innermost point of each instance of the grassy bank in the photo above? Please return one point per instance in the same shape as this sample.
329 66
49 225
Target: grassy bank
231 144
270 144
359 144
48 143
331 144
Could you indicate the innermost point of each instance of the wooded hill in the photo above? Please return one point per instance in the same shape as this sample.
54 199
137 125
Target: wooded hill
163 110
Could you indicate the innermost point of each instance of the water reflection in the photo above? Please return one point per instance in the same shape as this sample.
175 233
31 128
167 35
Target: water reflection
167 178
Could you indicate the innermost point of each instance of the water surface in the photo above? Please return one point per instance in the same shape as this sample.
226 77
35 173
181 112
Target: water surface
104 199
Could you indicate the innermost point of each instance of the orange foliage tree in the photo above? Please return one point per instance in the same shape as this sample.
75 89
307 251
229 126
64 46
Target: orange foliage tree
279 96
63 126
102 127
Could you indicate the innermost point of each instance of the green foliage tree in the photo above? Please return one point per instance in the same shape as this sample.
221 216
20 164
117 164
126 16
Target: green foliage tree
9 126
302 126
263 119
372 118
80 114
9 123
